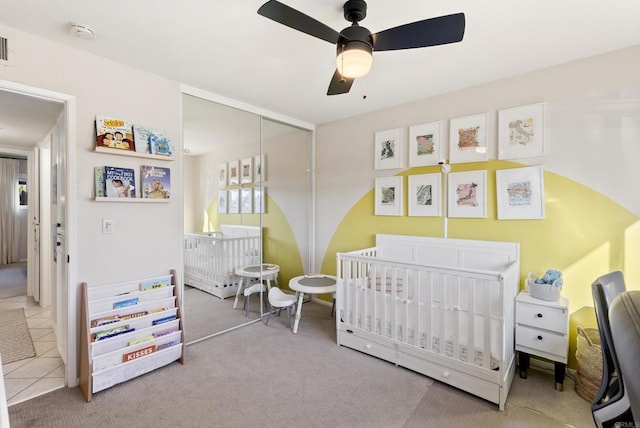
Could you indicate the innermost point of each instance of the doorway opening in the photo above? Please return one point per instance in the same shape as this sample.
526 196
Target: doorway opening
34 130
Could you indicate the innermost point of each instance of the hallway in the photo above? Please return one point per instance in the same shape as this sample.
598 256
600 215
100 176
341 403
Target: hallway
45 372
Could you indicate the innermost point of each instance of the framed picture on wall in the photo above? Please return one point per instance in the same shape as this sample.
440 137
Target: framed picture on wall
468 139
233 203
520 193
425 142
389 196
467 194
259 169
234 172
388 149
246 200
258 200
424 195
246 170
222 175
222 201
521 132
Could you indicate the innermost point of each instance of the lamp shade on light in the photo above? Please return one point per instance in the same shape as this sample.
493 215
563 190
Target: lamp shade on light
354 59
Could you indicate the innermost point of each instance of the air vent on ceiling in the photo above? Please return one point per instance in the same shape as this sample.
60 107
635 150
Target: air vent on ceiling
4 51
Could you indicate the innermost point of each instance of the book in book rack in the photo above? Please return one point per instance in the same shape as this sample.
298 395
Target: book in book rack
128 329
118 182
155 182
114 133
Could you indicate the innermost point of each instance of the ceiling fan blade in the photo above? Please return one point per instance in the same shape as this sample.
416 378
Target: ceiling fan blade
292 18
429 32
339 84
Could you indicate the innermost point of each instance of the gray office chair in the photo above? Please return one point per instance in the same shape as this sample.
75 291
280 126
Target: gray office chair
624 315
611 403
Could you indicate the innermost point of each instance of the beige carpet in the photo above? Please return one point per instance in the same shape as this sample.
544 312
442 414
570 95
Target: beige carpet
264 376
13 280
15 339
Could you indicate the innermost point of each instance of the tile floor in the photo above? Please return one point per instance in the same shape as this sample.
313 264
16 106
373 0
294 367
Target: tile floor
43 373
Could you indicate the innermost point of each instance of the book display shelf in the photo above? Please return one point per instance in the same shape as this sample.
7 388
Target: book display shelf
100 192
128 329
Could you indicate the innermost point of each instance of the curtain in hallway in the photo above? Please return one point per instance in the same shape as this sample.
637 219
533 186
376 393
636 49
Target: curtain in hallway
9 220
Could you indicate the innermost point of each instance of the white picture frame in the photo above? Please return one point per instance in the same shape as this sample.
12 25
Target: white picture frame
520 193
233 201
425 195
468 138
259 169
233 172
259 200
222 202
389 196
521 132
388 149
467 194
246 200
425 144
246 171
222 175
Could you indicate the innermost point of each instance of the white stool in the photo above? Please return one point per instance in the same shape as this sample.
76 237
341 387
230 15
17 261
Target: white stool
279 299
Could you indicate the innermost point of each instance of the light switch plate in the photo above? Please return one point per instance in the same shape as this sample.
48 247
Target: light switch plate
107 226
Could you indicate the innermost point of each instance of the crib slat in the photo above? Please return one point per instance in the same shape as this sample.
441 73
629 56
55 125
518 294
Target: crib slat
455 313
442 312
471 319
486 360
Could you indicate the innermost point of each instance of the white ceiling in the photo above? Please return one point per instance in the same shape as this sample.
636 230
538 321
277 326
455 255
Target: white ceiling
25 121
226 48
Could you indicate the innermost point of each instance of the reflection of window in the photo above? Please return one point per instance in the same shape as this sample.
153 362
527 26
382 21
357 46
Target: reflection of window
22 192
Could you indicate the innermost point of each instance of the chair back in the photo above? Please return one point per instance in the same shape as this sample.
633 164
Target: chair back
612 285
610 402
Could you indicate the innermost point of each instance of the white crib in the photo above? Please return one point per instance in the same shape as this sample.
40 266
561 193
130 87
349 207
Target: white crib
211 258
440 307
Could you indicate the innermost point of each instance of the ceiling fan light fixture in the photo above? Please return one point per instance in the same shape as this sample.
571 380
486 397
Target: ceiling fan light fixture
354 59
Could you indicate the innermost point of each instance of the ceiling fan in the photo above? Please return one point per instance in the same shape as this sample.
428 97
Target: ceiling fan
355 44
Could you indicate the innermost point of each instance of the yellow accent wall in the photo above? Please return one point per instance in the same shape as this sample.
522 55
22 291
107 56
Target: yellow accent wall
279 245
584 234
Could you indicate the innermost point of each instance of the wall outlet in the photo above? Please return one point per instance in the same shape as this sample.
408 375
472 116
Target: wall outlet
107 226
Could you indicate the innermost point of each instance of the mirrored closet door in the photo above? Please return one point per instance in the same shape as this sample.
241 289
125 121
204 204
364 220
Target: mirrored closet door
247 199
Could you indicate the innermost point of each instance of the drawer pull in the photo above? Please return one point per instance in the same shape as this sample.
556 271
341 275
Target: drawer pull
368 346
539 337
539 315
445 374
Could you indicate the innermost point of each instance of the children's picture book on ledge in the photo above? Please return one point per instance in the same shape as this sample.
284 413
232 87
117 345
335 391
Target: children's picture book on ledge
114 133
119 182
155 182
160 145
143 135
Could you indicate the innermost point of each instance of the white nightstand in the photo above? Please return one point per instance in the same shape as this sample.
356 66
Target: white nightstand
542 329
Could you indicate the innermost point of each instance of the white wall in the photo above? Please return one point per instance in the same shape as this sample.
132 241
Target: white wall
592 132
147 237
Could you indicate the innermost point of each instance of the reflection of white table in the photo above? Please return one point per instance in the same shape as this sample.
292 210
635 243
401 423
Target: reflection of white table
264 272
318 284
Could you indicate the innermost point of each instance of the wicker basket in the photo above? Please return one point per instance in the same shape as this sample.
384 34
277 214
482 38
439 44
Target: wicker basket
589 363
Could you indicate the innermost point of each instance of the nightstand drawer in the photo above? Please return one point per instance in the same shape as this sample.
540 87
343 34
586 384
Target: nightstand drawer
545 341
544 317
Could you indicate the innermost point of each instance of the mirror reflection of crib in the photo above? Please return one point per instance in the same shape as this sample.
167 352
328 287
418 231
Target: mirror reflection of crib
211 258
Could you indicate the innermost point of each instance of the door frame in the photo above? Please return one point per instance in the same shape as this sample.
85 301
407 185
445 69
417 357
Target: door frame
69 288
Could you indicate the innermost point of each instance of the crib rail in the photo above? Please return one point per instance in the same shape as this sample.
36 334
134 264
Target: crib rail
211 259
459 313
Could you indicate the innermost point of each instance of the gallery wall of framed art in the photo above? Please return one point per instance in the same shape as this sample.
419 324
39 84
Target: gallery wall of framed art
468 139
